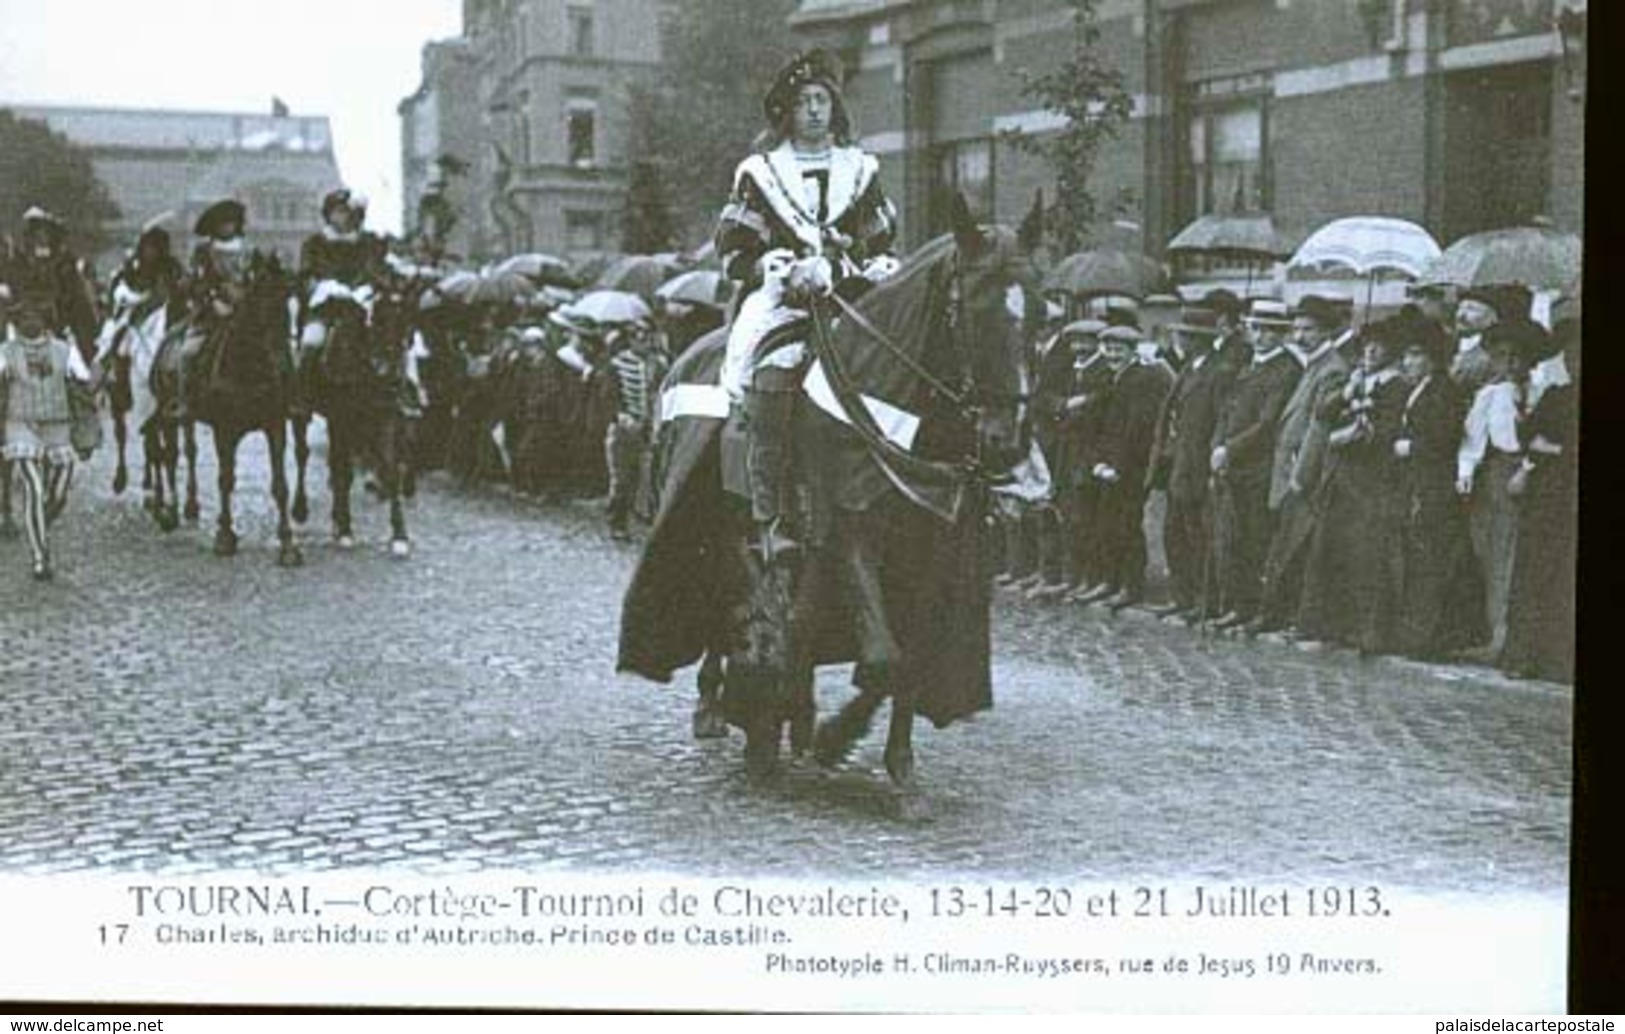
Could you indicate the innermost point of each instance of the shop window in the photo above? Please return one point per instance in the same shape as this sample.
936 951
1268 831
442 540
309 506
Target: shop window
1226 167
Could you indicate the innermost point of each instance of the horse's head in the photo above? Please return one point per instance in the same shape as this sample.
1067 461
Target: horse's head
993 277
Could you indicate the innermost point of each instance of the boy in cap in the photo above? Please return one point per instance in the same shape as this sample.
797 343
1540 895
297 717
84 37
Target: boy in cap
1127 429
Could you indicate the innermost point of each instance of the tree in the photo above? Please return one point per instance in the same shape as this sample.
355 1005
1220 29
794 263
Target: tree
697 118
648 225
41 167
1088 94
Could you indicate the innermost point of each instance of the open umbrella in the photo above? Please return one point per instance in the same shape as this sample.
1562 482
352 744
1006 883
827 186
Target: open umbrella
1107 271
538 267
607 307
1248 237
697 287
636 274
497 287
459 285
1366 245
1538 257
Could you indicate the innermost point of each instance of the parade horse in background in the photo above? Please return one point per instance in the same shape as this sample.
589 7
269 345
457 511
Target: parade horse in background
129 347
235 377
370 404
915 404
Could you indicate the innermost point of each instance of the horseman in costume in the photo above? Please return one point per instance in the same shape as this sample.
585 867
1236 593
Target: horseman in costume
42 269
807 212
341 264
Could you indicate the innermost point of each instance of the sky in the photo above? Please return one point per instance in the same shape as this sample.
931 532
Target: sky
352 60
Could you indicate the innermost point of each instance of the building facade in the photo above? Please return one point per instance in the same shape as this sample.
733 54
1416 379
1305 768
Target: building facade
546 85
1460 115
441 142
179 162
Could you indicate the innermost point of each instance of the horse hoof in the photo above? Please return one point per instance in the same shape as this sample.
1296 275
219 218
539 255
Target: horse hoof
301 509
225 544
709 724
121 481
911 807
761 761
832 745
191 513
344 540
400 549
900 766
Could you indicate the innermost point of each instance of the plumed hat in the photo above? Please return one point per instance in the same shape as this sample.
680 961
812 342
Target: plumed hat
220 219
814 66
343 197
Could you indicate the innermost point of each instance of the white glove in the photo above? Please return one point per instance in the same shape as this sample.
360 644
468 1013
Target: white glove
776 264
812 276
880 267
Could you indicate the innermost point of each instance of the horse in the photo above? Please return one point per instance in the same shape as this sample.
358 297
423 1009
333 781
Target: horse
914 405
362 389
233 375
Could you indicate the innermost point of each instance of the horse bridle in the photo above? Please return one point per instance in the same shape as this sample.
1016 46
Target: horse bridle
959 398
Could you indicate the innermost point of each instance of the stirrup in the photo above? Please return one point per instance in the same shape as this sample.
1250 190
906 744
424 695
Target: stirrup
772 542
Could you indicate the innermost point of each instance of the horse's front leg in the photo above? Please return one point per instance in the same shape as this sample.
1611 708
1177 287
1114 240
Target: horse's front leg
392 468
276 437
8 527
301 459
188 429
121 473
709 721
339 474
225 451
900 736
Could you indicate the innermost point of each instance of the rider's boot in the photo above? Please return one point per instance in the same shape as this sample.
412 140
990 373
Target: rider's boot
770 406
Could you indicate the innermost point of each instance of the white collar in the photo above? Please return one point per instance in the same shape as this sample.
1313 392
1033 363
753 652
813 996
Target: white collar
1468 343
778 175
1261 359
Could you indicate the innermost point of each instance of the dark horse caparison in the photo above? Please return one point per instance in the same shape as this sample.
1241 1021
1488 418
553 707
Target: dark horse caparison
892 577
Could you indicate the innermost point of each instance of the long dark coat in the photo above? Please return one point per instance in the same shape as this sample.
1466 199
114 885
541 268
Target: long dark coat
1353 582
1127 429
1443 609
1541 613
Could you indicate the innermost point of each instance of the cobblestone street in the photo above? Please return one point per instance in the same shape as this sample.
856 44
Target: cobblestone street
168 710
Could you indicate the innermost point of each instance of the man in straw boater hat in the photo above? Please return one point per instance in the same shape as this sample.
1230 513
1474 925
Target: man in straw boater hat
1319 324
807 211
1180 452
1243 450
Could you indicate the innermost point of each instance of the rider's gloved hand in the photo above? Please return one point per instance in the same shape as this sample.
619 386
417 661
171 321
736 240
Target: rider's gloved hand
811 277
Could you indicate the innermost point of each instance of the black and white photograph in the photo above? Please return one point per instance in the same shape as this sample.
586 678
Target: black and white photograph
791 505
